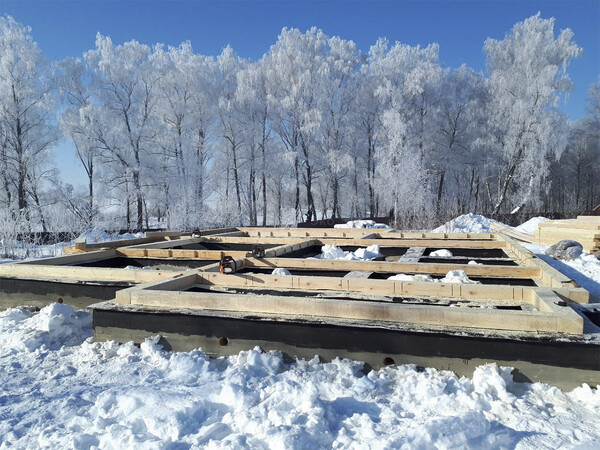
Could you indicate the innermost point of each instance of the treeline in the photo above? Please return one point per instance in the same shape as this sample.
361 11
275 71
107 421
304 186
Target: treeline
314 129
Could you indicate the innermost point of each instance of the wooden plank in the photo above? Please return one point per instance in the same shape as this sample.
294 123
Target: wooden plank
571 224
168 244
179 281
414 235
588 218
306 232
81 274
179 254
395 267
509 231
431 243
64 260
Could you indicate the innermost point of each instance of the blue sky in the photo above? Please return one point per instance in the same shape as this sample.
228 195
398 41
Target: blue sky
68 28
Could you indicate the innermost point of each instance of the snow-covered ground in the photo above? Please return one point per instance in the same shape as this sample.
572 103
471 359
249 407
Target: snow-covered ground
58 389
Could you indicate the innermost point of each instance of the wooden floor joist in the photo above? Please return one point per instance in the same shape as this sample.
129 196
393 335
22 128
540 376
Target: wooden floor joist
356 233
396 267
430 243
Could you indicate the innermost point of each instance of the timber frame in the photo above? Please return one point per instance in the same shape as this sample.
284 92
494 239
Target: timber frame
521 292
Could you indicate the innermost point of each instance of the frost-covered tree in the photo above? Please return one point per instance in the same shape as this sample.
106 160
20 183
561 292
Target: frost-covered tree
76 125
408 77
527 71
126 91
186 113
462 98
27 131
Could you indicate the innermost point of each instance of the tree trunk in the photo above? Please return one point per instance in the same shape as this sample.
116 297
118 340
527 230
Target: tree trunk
439 192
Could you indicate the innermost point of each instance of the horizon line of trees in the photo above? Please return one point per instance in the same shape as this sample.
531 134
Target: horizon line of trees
314 129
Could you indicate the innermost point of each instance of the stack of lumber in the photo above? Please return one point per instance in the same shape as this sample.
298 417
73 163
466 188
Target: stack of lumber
512 232
584 229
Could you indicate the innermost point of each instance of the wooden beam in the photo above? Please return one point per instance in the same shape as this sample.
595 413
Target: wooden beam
75 274
79 258
357 233
395 267
413 235
178 254
509 231
307 232
168 244
432 243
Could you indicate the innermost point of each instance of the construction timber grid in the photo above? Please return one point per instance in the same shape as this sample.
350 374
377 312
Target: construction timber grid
223 277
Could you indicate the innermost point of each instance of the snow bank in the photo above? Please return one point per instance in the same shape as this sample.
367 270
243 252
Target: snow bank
361 224
467 223
93 236
531 225
84 394
443 253
330 251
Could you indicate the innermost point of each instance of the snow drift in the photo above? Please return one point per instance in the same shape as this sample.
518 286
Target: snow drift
81 394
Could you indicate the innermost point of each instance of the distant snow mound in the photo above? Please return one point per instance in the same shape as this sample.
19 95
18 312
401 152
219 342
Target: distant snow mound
467 223
361 224
531 225
282 271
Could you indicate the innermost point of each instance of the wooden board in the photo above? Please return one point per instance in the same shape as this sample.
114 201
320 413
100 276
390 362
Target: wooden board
396 267
431 243
76 274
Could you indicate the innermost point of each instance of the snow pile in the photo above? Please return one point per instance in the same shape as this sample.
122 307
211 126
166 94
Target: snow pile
418 277
106 395
330 251
474 263
454 276
361 224
467 223
94 236
138 268
54 326
531 225
443 253
457 276
280 271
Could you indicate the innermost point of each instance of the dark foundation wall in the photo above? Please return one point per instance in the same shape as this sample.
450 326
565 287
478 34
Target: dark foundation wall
15 292
536 359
